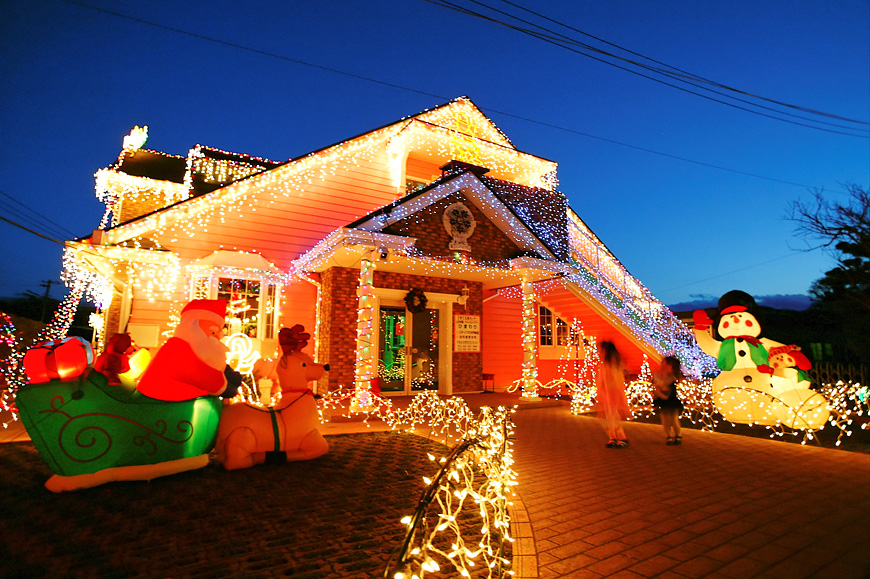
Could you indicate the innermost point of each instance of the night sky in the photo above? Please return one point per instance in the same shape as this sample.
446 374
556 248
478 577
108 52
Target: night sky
690 194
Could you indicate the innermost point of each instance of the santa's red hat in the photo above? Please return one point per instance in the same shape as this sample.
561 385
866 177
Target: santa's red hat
211 310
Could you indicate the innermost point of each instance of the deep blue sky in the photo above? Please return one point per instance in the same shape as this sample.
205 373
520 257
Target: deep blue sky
73 81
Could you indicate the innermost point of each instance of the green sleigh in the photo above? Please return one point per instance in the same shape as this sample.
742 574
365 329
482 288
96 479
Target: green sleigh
90 433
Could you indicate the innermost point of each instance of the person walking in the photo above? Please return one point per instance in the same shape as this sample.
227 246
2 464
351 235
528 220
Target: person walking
666 400
612 403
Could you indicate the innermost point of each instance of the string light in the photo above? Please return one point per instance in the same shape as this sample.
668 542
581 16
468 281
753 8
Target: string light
538 219
478 476
529 332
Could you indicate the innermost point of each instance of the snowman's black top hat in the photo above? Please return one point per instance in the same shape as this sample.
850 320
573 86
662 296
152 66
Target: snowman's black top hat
736 301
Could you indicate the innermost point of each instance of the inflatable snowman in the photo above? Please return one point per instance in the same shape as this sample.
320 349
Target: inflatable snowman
748 389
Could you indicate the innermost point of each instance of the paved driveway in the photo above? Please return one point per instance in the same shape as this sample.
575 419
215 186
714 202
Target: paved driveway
720 505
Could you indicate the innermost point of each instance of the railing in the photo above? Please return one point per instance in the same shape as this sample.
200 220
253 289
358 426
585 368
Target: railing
603 276
831 372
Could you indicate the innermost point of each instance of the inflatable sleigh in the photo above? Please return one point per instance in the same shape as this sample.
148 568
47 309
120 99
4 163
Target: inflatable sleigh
90 433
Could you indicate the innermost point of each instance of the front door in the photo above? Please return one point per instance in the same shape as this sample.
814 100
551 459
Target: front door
408 350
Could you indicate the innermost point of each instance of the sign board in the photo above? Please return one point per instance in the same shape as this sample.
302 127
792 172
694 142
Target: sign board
466 333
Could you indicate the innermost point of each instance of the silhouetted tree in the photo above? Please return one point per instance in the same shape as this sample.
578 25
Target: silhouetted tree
844 291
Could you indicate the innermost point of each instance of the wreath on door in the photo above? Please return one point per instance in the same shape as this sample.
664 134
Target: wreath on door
415 301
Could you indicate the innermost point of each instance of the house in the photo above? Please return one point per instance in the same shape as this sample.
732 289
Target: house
428 253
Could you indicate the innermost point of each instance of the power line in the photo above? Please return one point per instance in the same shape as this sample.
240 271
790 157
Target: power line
30 230
690 79
33 220
416 91
726 273
692 75
645 150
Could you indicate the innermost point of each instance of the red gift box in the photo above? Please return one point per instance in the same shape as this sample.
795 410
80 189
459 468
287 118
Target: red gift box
63 359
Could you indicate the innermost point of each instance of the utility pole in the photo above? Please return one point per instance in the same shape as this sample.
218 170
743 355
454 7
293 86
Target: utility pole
47 285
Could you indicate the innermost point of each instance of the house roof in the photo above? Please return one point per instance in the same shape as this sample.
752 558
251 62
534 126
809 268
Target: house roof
152 164
542 212
236 260
239 166
477 191
140 224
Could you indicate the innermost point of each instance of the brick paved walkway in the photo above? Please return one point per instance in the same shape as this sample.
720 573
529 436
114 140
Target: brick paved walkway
721 506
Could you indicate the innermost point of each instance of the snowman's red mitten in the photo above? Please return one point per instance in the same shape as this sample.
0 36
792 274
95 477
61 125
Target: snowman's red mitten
701 319
765 369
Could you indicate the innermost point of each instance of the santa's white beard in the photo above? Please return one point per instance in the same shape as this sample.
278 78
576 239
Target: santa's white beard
207 348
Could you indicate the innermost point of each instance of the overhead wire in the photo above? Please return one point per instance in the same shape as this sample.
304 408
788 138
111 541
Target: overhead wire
420 92
28 230
33 217
695 76
560 40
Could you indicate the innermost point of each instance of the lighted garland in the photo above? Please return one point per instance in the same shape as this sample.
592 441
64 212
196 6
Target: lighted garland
11 366
355 403
480 470
848 402
436 541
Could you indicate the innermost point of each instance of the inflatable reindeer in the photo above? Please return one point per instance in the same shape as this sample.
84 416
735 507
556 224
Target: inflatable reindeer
249 434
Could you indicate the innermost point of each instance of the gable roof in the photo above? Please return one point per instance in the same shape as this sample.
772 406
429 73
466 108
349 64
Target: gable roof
489 133
477 191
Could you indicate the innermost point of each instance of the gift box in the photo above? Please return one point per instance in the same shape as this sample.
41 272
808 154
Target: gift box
63 359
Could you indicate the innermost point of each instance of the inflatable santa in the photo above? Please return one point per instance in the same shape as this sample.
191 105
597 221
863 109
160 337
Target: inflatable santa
193 362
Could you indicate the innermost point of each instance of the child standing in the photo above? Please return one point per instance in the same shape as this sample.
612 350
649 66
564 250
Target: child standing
665 399
612 403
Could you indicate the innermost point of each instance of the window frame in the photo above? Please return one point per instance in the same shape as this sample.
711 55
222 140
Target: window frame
552 328
206 285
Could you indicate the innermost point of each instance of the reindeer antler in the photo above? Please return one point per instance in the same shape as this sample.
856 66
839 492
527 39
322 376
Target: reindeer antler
293 339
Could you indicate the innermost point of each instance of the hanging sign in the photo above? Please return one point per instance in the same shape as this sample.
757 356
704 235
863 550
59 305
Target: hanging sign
466 333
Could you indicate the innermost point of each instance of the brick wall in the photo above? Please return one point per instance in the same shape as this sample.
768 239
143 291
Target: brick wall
140 204
338 311
488 243
339 319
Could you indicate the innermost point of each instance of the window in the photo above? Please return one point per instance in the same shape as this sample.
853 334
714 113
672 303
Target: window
563 337
556 338
249 283
545 324
412 185
252 302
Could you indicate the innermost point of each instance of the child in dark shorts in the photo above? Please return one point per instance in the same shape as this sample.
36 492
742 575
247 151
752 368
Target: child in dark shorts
666 400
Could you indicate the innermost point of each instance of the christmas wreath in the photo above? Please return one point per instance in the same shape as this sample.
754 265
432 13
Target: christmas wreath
415 301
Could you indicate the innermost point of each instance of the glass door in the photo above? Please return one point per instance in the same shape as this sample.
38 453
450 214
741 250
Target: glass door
424 350
391 349
408 350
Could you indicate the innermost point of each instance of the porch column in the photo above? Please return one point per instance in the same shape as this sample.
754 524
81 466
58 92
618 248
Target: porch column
530 367
366 368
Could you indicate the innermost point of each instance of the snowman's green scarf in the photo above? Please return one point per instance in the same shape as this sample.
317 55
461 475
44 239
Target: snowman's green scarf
728 352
